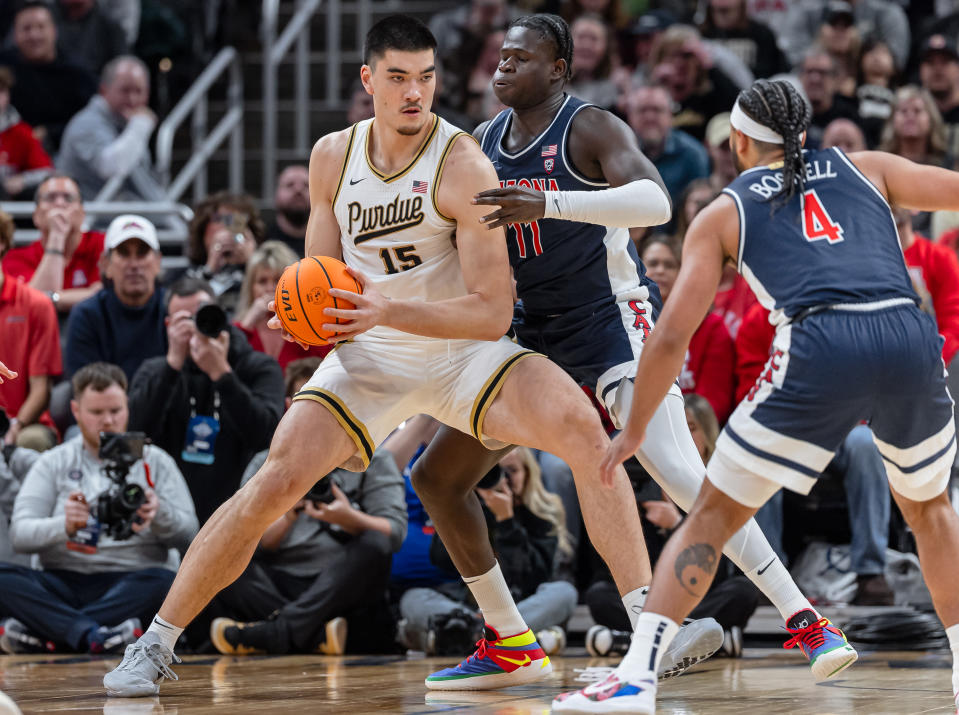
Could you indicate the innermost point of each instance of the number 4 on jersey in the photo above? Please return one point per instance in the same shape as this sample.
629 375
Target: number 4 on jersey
816 222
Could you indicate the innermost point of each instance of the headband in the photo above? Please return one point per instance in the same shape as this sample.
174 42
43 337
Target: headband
738 119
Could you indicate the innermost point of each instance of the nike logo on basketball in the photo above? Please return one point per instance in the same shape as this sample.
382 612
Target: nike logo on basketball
763 569
355 182
519 663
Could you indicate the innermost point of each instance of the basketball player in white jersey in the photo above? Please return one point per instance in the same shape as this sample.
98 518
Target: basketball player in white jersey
426 336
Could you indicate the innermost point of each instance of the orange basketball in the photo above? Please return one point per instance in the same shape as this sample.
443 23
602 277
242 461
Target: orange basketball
302 293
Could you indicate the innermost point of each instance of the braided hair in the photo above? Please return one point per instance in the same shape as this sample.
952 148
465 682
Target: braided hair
778 105
552 28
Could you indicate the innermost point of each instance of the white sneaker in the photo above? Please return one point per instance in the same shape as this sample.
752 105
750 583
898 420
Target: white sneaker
144 666
611 695
695 642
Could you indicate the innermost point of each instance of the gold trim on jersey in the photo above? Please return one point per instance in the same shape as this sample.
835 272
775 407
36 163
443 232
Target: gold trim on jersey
419 153
348 421
439 173
346 161
490 390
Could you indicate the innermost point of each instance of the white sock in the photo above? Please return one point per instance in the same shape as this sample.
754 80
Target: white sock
166 632
496 602
651 638
779 587
634 602
953 634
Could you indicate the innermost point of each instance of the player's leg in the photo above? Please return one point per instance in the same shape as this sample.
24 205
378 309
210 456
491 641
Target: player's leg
540 406
308 442
671 458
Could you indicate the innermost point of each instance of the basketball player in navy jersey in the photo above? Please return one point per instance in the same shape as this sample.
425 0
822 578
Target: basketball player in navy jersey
813 234
572 180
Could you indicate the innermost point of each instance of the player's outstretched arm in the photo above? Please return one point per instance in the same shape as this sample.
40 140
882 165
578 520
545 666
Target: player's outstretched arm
711 238
909 185
326 163
600 145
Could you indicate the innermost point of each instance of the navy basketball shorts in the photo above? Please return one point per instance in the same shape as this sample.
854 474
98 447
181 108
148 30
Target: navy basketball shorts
825 375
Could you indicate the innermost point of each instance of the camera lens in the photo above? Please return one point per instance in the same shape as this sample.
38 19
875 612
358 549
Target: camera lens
211 320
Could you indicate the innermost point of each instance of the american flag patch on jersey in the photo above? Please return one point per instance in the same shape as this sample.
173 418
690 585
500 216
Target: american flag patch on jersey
419 187
550 149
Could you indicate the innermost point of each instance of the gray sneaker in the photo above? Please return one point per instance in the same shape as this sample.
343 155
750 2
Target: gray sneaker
695 642
144 666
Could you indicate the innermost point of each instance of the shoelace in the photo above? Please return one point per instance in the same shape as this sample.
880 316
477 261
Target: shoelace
810 636
593 674
154 654
480 653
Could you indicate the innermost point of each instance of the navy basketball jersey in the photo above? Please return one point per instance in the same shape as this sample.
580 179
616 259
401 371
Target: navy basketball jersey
835 243
559 265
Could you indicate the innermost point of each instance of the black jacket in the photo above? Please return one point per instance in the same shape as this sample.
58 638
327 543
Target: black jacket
251 404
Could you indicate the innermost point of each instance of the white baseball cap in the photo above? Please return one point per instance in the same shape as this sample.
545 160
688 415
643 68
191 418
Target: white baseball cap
128 226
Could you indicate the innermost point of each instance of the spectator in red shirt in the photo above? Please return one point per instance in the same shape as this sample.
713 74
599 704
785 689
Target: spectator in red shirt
710 360
63 263
23 162
934 270
31 346
263 271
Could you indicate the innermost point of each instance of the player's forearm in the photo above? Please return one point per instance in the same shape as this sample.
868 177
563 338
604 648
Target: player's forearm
638 203
469 317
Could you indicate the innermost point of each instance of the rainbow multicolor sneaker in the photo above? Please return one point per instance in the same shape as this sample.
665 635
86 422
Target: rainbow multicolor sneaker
825 646
497 663
611 695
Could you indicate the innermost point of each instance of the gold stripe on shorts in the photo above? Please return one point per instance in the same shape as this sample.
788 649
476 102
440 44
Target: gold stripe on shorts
489 391
354 428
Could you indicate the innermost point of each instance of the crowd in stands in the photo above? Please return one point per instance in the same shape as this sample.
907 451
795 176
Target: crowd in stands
104 339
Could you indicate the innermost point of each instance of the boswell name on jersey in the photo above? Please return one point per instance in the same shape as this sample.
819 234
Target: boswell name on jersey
771 184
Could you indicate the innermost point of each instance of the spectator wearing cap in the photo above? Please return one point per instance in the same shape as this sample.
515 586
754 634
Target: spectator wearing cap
50 87
23 161
873 18
818 75
728 24
110 136
64 261
30 346
679 158
839 36
123 323
939 75
92 35
877 80
722 167
641 36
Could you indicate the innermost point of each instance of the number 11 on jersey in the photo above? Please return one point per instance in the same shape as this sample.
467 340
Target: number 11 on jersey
519 232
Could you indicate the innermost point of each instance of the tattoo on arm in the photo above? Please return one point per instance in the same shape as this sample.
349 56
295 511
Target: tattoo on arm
694 568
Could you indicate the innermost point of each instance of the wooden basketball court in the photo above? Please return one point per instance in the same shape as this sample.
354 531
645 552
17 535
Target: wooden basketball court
764 681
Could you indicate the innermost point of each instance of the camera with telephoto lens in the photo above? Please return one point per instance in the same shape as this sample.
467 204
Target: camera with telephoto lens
322 491
211 320
116 508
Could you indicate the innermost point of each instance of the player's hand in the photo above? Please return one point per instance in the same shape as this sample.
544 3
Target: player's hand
371 309
623 446
147 512
517 205
275 323
6 372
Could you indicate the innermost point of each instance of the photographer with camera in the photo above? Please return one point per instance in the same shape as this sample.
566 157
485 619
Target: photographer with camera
211 401
106 515
322 568
123 323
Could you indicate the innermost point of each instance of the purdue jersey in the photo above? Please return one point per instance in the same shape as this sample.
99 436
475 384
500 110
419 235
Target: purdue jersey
390 227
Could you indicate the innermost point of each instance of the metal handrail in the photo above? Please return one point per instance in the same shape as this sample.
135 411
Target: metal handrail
94 209
274 50
194 104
